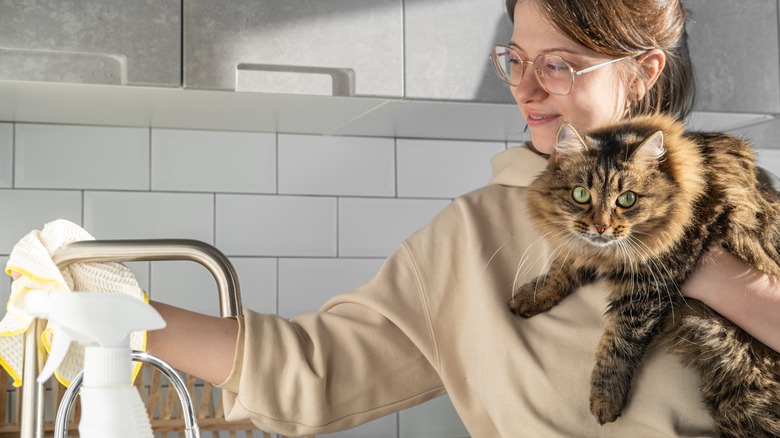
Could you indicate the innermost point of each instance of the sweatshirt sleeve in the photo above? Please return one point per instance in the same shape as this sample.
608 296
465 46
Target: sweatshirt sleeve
365 354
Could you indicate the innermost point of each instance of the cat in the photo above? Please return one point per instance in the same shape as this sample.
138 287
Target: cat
637 204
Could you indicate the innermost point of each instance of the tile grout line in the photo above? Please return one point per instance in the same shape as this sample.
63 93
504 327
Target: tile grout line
149 149
276 193
13 155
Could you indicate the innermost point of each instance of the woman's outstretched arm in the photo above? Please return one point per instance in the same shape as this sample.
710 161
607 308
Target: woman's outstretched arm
200 345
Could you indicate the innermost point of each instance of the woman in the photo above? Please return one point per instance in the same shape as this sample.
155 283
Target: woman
647 88
435 319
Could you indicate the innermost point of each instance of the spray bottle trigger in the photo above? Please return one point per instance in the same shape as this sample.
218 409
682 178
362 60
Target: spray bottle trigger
59 348
37 303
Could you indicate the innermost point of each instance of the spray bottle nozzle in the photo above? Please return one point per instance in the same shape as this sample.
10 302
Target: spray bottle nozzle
89 318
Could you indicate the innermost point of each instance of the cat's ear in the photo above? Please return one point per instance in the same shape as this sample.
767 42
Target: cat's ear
568 143
651 151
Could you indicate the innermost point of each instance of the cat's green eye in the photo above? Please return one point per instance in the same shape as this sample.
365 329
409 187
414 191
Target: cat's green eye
626 199
581 195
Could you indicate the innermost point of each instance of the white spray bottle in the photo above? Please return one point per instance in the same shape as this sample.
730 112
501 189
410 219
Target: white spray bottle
110 405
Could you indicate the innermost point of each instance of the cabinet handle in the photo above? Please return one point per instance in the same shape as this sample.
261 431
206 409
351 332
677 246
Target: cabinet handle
343 79
63 66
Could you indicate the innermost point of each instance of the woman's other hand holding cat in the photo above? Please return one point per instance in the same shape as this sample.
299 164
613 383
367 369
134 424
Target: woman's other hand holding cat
741 293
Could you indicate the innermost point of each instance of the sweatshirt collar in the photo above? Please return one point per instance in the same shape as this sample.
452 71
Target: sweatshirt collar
517 166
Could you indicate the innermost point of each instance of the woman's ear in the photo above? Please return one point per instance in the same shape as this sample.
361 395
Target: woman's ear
651 64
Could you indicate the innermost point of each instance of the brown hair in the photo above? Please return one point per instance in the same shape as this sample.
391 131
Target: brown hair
621 28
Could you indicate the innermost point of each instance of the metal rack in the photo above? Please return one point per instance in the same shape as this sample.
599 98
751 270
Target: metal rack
123 251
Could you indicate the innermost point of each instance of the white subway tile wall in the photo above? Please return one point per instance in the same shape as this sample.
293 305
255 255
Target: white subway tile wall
306 284
184 284
141 215
301 217
6 154
373 227
769 159
258 282
443 169
346 166
81 157
210 161
276 225
22 210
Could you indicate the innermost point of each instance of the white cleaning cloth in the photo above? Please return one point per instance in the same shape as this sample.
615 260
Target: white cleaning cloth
32 258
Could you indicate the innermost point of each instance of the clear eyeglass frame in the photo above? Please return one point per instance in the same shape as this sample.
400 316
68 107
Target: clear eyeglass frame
554 74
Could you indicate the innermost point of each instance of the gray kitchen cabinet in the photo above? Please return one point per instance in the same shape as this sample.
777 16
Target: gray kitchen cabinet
734 48
322 47
114 42
447 47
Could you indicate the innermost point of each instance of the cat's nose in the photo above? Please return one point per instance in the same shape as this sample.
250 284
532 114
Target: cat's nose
600 228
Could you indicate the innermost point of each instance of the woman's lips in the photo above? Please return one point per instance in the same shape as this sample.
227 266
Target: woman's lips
535 119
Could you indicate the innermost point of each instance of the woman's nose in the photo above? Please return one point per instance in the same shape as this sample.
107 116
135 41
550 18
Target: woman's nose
529 87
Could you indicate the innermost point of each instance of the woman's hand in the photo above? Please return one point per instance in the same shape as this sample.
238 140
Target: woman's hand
201 345
741 293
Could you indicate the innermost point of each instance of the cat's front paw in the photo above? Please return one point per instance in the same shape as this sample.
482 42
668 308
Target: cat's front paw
528 301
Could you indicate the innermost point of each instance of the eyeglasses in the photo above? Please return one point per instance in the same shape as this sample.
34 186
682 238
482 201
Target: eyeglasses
555 75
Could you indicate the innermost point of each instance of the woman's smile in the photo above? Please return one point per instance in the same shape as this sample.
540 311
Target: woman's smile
534 119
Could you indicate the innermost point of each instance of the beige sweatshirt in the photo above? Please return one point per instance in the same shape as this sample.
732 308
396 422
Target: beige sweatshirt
435 320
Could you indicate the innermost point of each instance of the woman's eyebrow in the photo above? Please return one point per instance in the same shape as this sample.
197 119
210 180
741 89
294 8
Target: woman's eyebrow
551 49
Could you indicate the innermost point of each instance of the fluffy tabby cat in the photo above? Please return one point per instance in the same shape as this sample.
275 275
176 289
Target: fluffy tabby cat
636 205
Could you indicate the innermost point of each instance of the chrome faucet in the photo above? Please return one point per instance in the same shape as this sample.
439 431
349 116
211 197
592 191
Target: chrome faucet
190 419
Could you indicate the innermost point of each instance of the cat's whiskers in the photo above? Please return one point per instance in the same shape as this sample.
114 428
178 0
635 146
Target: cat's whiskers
638 254
555 252
645 254
520 271
500 247
548 263
655 272
626 250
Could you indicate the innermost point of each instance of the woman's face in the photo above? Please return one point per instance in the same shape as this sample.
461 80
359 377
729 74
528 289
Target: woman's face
596 97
